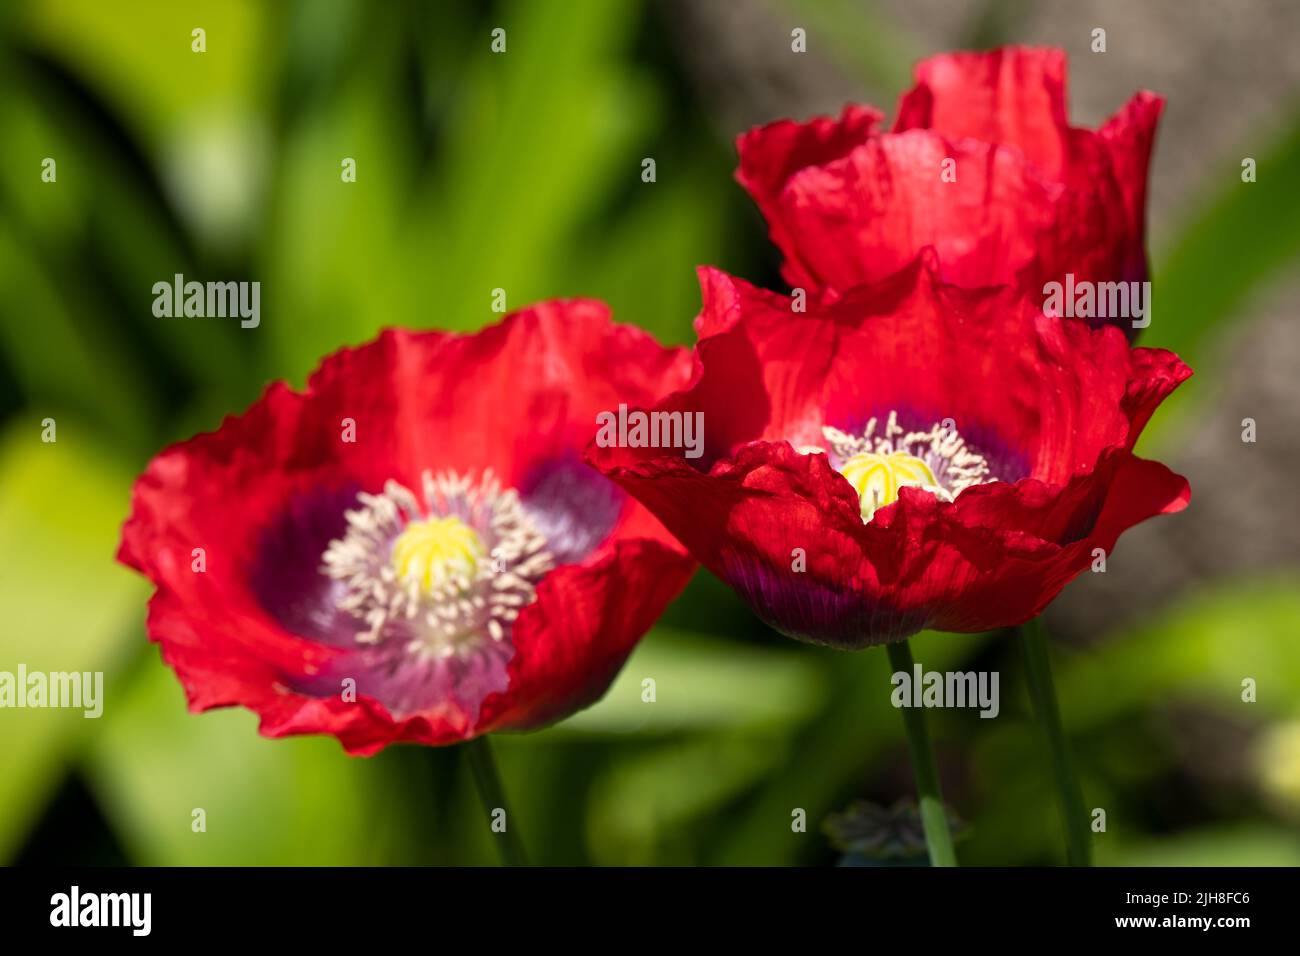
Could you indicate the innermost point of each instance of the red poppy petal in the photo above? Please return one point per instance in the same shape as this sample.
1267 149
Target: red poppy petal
1130 136
1013 589
1155 374
1052 392
771 154
860 218
518 398
1100 211
572 642
784 528
1014 96
538 378
981 165
744 521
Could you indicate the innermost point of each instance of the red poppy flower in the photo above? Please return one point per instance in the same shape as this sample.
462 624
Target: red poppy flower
418 522
1026 198
913 455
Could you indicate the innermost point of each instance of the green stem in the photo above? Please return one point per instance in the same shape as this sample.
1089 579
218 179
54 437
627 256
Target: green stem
1033 641
493 795
933 818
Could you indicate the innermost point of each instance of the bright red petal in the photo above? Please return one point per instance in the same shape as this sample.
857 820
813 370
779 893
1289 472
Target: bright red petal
981 165
1054 405
1013 96
264 494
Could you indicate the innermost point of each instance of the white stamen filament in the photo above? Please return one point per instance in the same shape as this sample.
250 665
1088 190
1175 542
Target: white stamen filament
941 450
456 608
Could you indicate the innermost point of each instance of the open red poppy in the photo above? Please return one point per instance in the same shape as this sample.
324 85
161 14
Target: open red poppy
411 549
913 455
981 164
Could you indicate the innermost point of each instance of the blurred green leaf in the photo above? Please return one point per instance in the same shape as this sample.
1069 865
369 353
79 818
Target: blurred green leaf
160 90
703 683
644 264
856 726
265 801
1206 646
65 604
1242 237
1197 652
645 804
859 35
1250 845
83 253
1236 243
335 248
533 146
58 360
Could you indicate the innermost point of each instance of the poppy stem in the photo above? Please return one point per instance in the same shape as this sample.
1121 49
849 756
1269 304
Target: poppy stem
934 819
488 781
1033 641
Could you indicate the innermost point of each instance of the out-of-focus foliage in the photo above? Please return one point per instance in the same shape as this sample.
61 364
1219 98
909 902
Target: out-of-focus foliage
1232 247
57 515
522 172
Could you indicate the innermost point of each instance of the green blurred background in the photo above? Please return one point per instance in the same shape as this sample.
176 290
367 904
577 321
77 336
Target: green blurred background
522 171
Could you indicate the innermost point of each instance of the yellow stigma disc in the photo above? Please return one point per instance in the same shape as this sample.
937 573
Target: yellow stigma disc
877 478
436 551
